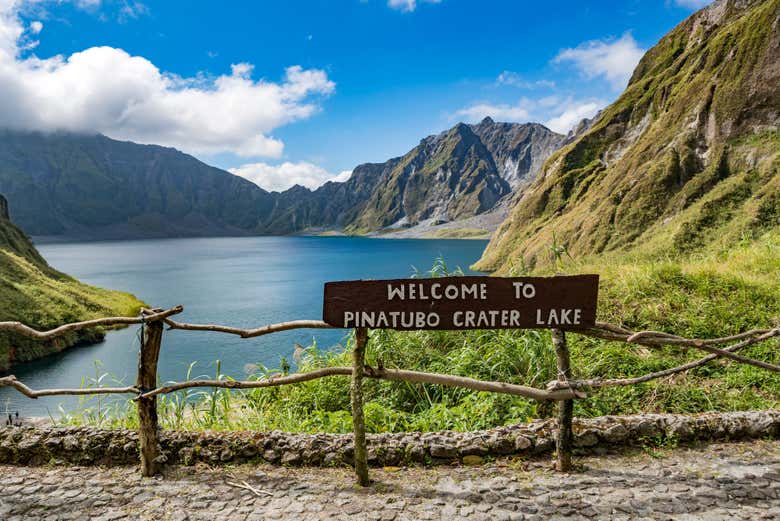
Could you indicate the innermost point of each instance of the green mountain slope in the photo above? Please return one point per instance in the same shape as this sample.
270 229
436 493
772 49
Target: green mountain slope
688 158
93 187
34 293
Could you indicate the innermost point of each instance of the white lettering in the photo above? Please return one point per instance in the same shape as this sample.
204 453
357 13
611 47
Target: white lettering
367 319
457 319
451 292
420 320
433 319
395 292
469 322
348 317
526 290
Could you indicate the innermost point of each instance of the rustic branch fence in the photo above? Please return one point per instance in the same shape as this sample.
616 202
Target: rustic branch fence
563 390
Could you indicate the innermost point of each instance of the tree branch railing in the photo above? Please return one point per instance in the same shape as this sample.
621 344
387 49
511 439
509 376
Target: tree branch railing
563 390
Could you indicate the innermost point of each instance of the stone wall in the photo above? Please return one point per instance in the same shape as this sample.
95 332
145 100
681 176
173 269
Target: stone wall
92 446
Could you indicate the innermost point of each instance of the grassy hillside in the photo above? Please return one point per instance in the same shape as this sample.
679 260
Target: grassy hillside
711 295
686 160
34 293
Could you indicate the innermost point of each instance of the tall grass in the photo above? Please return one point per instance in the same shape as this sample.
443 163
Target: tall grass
715 295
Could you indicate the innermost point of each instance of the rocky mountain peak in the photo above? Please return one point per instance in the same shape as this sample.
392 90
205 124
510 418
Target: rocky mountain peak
686 158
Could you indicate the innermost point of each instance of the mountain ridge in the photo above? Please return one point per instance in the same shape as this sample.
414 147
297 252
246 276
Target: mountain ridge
92 187
685 158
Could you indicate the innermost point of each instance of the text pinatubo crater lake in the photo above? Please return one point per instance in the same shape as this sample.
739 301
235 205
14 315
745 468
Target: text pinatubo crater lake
566 302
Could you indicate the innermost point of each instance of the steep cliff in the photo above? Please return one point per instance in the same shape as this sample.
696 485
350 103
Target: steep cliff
34 293
686 158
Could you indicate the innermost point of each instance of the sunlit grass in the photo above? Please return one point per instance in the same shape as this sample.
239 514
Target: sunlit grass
709 296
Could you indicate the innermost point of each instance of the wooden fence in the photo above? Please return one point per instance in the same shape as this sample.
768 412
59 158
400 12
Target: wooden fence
562 390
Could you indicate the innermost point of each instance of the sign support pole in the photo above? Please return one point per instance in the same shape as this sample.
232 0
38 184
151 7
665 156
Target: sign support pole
563 443
356 394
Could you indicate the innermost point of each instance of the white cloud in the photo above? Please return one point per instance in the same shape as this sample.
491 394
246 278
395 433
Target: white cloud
570 113
692 4
88 4
516 80
343 176
407 6
132 10
501 112
613 59
36 27
285 175
557 114
107 90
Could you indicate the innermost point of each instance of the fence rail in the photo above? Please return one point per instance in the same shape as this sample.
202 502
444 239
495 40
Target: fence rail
562 390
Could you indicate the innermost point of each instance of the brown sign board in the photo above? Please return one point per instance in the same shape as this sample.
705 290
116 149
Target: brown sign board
564 302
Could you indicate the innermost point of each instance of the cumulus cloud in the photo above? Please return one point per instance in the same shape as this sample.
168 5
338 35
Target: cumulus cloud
613 59
407 6
516 80
280 177
692 4
557 114
570 113
518 112
343 176
107 90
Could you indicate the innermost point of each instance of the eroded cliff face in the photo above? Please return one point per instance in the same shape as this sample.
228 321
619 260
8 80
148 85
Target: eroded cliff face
686 158
457 174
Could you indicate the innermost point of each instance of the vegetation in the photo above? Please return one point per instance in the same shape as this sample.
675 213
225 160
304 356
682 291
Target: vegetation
686 158
712 295
671 196
38 295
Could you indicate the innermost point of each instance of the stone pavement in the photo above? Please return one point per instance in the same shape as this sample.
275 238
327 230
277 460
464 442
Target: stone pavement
716 481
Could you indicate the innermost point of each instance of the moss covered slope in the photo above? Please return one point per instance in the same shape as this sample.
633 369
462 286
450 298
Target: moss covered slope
686 159
34 293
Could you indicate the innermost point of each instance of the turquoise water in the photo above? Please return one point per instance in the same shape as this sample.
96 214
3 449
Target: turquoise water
245 282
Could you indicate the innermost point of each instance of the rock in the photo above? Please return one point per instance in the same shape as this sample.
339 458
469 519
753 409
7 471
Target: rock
271 456
614 434
291 458
70 443
443 451
226 455
472 459
522 443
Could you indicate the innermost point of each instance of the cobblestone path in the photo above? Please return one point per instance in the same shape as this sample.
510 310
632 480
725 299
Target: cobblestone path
717 481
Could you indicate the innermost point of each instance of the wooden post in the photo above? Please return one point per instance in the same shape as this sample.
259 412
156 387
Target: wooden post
563 444
148 430
356 394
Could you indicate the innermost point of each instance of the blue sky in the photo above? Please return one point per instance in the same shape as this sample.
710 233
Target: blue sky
301 91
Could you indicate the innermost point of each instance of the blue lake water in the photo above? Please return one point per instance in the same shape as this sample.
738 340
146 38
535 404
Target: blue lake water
245 282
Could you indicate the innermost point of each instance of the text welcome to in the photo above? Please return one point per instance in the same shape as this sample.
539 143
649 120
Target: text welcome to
463 303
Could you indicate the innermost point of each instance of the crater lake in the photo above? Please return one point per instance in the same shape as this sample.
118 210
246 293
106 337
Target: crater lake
244 282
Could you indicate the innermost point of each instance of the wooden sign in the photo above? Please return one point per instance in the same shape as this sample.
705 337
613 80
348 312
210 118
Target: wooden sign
463 303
